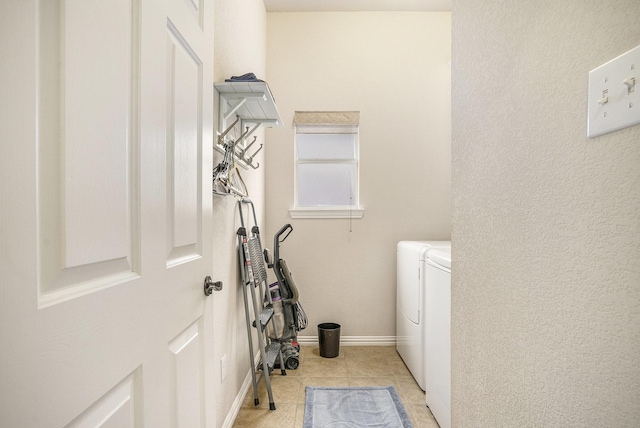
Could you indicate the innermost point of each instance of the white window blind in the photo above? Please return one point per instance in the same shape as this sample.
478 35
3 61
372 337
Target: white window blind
326 164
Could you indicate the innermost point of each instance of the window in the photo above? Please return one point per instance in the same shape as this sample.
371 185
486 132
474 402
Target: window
326 165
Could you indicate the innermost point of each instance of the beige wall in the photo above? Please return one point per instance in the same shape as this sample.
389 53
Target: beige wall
546 223
392 67
240 47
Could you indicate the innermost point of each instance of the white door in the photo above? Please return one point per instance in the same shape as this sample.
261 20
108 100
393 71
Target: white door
106 129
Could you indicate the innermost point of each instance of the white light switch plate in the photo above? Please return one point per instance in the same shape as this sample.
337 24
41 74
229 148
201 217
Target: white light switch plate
614 105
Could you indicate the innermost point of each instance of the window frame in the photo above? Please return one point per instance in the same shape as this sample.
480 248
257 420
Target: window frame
353 211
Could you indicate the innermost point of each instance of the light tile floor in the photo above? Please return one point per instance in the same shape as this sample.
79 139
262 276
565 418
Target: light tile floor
355 366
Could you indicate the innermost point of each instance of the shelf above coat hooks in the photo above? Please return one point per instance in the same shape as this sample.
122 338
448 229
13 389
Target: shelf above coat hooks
254 104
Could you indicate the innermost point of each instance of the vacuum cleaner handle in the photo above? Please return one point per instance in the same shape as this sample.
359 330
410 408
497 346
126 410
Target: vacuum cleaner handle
276 241
286 228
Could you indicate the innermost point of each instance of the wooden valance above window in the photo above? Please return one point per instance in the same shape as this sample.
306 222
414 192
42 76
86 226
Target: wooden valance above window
326 122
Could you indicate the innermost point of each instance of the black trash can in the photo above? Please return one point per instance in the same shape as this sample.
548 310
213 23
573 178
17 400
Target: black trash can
329 339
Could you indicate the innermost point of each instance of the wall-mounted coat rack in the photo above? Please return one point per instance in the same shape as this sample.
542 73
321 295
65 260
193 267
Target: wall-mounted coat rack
254 105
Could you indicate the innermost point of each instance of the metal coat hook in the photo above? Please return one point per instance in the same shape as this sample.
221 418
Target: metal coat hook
256 126
250 159
243 151
226 131
244 134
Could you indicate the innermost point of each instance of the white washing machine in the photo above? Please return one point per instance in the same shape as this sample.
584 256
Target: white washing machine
437 343
410 303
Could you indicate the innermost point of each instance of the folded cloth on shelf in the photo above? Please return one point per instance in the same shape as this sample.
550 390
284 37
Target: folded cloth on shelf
247 77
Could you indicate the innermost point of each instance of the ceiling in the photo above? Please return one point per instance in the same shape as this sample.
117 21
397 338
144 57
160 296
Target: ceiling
356 5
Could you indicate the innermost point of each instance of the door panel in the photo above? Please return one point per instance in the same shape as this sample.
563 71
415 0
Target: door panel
96 107
186 350
103 255
86 136
184 143
119 408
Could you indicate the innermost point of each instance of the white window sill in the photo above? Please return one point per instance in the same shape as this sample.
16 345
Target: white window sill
326 213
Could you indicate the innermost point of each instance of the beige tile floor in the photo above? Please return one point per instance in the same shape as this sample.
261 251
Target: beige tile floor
355 366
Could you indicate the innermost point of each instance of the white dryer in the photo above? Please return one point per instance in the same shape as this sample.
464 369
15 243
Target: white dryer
410 303
438 335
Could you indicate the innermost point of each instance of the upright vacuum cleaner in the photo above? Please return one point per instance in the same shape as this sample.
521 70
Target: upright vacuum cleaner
289 313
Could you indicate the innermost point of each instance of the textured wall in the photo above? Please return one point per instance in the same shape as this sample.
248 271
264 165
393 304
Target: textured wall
546 223
240 47
392 67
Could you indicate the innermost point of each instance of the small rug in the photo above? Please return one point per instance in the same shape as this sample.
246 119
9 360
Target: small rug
350 407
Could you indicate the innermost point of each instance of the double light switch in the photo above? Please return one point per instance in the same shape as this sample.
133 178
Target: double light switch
614 94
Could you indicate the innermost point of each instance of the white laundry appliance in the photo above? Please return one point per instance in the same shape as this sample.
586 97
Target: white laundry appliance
437 349
410 303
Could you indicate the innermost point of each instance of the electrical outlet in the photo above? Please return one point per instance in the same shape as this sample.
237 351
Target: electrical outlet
223 368
614 94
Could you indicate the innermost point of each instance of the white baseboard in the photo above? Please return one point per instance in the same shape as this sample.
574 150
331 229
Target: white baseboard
237 403
353 340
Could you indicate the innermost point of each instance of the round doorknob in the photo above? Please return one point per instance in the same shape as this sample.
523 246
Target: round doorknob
210 286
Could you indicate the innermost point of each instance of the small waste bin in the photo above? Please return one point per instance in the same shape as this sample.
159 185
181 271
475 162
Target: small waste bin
329 339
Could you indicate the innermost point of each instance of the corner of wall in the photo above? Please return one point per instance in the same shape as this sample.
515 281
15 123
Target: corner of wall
240 47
